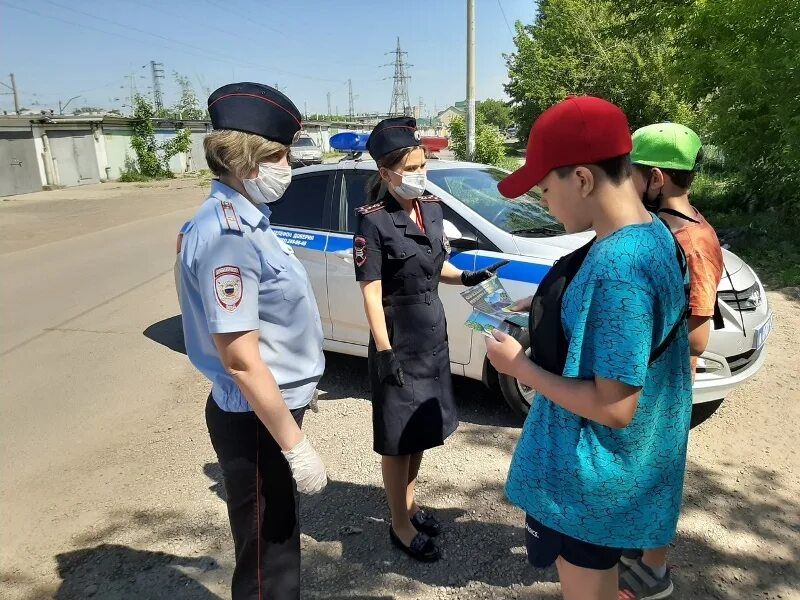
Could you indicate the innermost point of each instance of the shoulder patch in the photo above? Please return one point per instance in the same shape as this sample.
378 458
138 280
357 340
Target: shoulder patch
228 285
429 198
229 220
360 250
371 208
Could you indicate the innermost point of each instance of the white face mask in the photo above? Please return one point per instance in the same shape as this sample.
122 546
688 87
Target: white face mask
270 184
413 185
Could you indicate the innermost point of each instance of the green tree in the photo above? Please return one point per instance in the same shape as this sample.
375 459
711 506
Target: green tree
489 142
143 139
188 107
581 47
741 60
152 158
495 112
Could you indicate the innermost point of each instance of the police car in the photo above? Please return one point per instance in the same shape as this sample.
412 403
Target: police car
317 217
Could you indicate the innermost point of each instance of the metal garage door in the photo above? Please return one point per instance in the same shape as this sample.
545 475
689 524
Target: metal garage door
74 153
19 166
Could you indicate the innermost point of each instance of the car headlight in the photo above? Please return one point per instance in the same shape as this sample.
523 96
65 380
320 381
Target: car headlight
708 365
748 299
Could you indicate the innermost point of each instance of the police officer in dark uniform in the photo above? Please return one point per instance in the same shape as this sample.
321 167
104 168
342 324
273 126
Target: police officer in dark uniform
400 255
252 327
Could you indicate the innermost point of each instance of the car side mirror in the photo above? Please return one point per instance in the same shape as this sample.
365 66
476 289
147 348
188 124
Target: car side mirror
461 240
451 232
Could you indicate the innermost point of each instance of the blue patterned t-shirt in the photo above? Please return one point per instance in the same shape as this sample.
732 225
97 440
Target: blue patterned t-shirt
615 487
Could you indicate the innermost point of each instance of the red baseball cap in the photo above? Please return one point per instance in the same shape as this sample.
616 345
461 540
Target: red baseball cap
578 130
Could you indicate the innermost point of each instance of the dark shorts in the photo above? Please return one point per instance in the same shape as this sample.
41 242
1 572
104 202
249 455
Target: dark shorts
545 545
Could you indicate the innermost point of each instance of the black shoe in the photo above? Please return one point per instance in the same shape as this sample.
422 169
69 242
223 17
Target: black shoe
426 523
422 547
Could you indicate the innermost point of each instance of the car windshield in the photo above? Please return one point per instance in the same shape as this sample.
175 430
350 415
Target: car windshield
303 143
477 188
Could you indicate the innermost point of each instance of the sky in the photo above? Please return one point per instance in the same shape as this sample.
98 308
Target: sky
58 49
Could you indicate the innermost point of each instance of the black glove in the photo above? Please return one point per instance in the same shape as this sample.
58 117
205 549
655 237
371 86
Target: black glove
389 369
470 278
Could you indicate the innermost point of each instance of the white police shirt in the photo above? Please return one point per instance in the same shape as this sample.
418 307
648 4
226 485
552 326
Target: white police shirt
236 275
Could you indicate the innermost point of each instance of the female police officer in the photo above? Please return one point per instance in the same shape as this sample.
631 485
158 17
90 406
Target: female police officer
251 326
400 254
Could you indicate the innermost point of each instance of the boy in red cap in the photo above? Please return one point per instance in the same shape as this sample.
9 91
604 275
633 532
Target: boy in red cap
600 462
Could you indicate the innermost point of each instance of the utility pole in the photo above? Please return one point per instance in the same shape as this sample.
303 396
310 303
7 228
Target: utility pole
351 109
13 88
329 105
61 108
157 70
470 79
400 104
14 91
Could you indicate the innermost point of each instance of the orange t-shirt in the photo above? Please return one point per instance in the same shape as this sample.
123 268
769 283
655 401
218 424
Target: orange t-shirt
704 259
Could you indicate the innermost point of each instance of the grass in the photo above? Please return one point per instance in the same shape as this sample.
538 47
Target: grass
765 240
332 154
133 176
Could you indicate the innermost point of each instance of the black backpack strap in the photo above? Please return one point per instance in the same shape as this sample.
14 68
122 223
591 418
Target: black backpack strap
675 213
656 353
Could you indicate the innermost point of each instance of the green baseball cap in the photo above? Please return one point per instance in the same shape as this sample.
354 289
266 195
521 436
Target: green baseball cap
667 146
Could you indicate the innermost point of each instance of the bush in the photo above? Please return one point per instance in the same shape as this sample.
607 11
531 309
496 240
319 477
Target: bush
489 141
764 240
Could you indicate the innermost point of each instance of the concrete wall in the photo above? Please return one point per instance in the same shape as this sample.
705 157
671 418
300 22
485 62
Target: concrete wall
19 168
197 158
118 150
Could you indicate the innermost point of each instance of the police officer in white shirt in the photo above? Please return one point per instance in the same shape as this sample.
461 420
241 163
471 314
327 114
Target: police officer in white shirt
252 327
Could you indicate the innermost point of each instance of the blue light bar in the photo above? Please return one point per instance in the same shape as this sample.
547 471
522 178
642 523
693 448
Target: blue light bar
349 141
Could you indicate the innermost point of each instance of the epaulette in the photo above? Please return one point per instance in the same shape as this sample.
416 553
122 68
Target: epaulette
429 198
229 220
371 208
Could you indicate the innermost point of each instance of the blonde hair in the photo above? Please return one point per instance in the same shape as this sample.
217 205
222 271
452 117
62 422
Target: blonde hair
237 153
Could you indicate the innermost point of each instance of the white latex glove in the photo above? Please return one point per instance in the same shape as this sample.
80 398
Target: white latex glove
307 467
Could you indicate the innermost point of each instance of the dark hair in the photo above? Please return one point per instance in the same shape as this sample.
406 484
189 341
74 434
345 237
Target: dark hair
387 162
682 179
616 169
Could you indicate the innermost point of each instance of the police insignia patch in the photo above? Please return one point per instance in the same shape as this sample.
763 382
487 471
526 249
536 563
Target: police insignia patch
228 285
360 251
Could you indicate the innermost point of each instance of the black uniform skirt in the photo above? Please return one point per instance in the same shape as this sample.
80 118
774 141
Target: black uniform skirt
421 414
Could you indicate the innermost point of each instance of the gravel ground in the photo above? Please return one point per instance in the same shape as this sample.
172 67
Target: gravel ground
145 518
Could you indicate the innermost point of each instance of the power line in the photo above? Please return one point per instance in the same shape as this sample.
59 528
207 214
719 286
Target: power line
184 48
13 92
504 17
400 104
351 109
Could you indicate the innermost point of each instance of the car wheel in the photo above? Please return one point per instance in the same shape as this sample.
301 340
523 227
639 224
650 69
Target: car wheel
701 412
517 395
